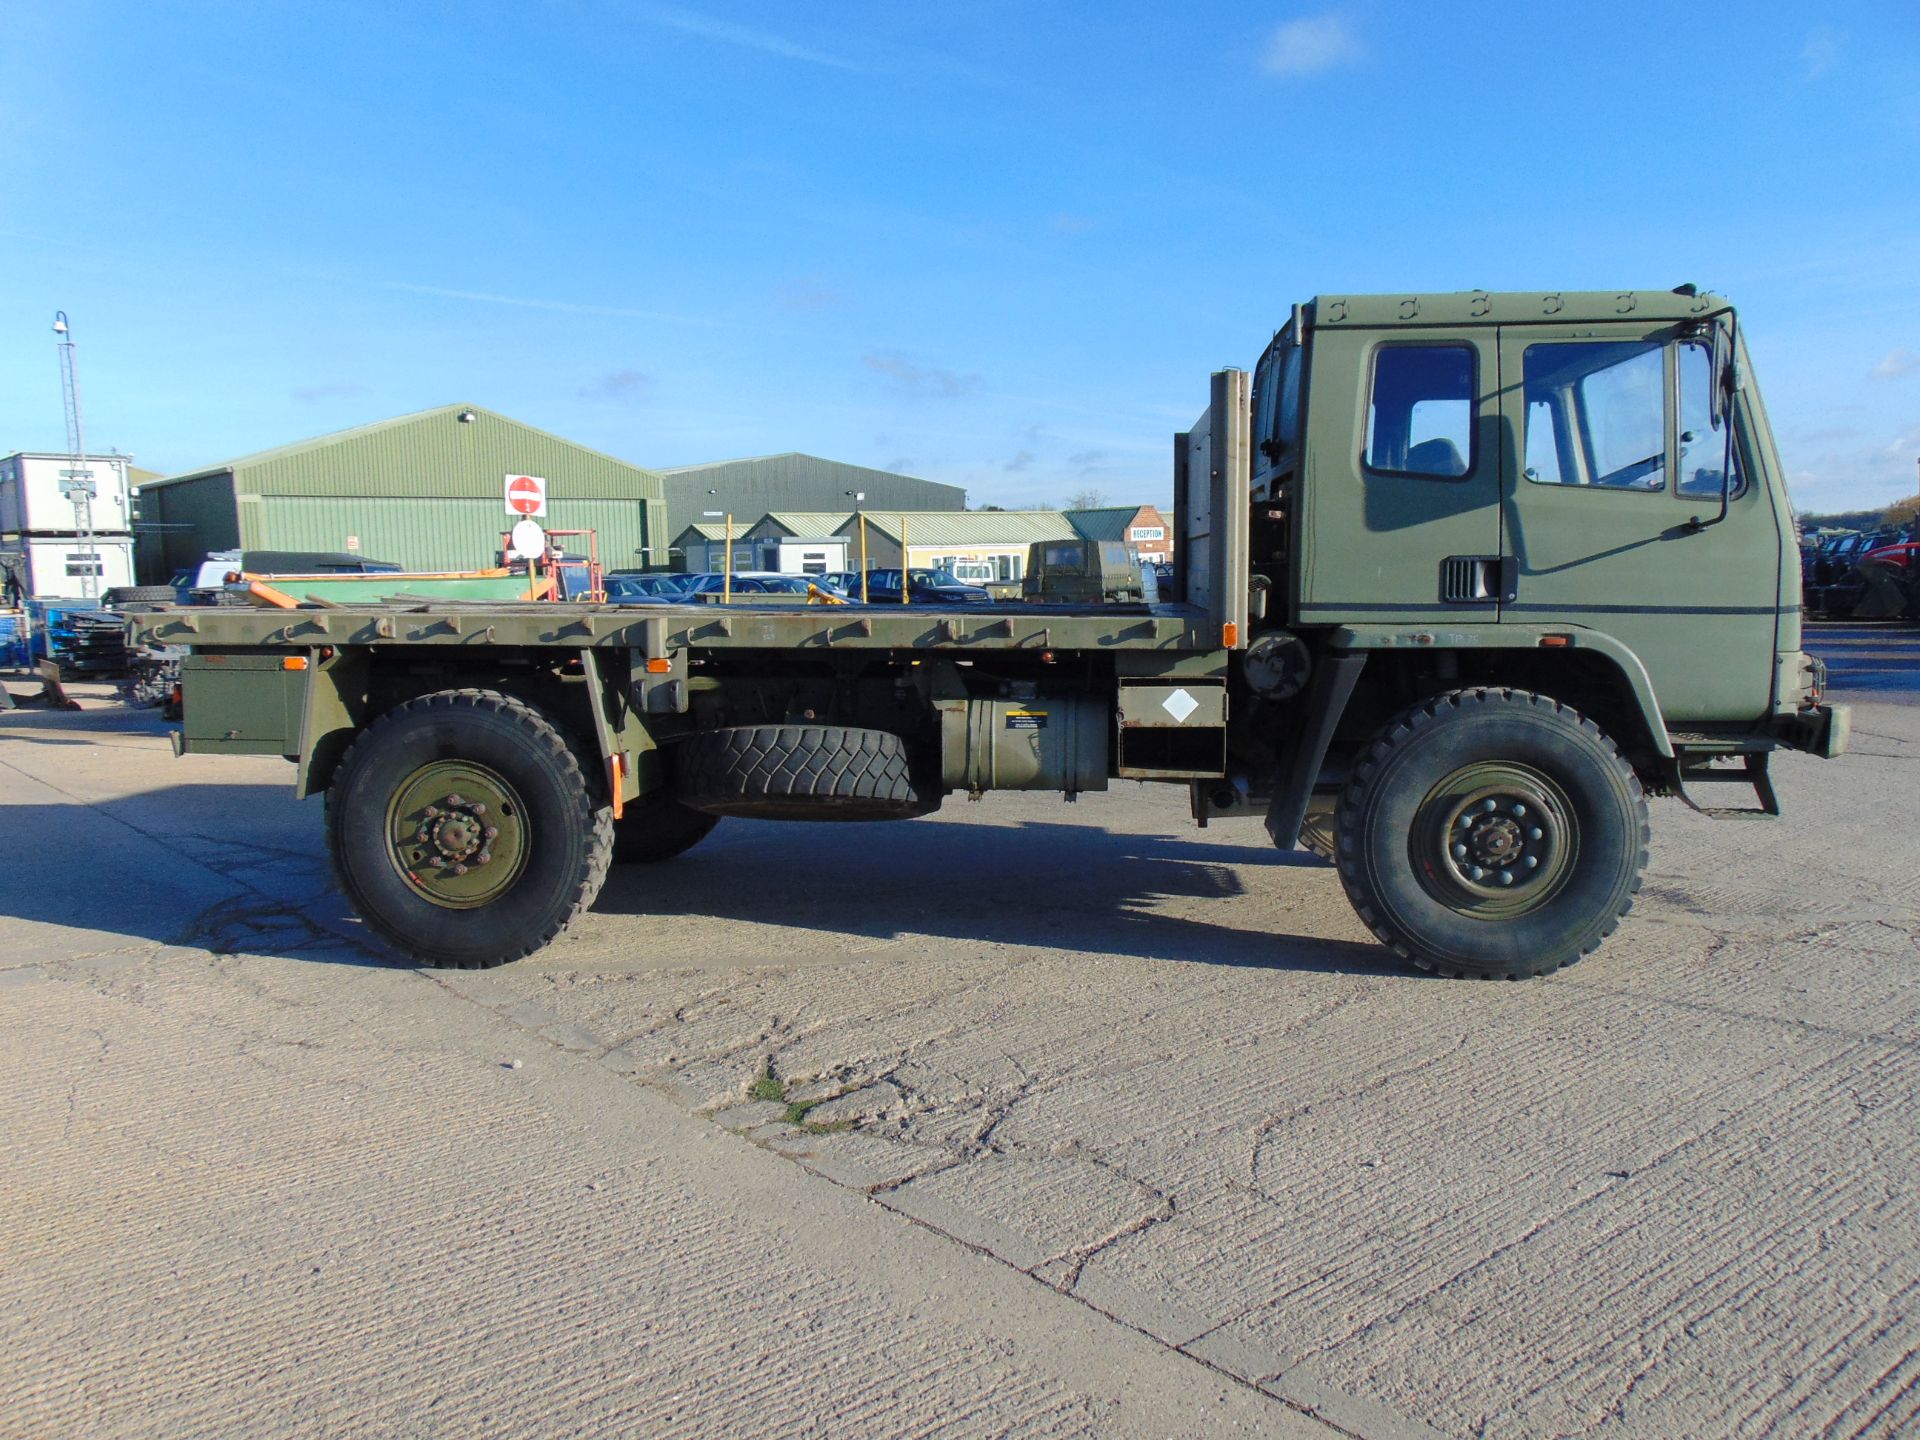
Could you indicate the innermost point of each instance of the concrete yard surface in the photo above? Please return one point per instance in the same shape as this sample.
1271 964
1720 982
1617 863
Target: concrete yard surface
1020 1119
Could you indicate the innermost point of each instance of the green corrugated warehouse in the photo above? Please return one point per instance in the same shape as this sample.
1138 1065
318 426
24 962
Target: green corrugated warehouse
748 489
425 491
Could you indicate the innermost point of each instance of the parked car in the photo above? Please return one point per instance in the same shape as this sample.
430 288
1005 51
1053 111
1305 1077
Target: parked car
624 588
925 587
205 583
757 584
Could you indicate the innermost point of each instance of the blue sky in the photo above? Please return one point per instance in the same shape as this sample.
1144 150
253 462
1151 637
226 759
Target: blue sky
994 244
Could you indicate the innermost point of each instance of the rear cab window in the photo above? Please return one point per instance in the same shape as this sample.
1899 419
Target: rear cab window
1420 411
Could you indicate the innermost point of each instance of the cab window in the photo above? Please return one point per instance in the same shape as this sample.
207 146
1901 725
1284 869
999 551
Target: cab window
1277 406
1420 412
1596 414
1703 443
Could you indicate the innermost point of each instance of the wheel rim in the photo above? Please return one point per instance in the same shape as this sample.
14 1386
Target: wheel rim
1494 840
457 833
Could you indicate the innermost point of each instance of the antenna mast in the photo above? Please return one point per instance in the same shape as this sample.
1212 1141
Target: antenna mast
76 482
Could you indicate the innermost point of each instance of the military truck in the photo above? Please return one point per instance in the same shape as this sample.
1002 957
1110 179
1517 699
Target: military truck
1462 580
1082 572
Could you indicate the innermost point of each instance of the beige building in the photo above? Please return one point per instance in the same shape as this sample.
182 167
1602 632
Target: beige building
981 547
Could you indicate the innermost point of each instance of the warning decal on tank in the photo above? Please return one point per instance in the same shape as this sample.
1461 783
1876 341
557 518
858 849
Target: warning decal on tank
1026 719
1180 705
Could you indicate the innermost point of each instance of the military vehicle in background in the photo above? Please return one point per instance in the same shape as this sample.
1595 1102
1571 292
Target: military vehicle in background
1083 572
1462 579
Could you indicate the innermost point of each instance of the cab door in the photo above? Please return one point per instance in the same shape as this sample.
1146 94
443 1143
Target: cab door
1400 513
1618 452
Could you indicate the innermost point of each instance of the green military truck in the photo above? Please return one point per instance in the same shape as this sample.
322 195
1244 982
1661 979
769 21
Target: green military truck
1461 580
1093 572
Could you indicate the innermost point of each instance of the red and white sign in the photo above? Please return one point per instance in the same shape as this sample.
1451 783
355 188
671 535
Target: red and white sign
526 495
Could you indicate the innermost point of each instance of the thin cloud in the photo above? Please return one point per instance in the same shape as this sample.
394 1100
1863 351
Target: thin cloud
727 33
1087 460
524 302
1019 462
620 385
1066 223
899 465
1821 54
1897 365
314 394
921 379
807 294
1312 44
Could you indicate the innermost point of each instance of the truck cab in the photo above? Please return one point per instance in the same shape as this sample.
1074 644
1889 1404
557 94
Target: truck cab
1480 479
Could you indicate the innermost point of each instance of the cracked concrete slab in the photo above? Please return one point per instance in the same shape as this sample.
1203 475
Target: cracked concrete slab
1165 1080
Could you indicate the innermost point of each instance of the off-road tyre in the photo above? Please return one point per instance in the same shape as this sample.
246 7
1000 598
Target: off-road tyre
658 827
139 595
804 772
1316 834
1397 845
562 824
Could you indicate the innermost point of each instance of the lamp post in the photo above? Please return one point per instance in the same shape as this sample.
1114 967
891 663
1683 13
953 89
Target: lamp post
860 515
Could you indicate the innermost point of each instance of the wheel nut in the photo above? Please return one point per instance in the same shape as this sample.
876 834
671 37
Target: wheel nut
431 812
421 835
492 831
1531 861
1459 851
1519 809
478 809
1535 833
1489 805
458 869
483 858
1476 873
1506 877
455 800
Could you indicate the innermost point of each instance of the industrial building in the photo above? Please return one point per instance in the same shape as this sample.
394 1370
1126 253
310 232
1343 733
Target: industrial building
984 547
748 489
426 491
61 543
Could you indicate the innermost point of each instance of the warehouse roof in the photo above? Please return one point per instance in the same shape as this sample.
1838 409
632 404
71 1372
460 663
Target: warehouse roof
807 524
712 530
1110 522
972 527
359 432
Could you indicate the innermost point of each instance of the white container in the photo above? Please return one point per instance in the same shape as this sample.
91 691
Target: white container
57 566
32 500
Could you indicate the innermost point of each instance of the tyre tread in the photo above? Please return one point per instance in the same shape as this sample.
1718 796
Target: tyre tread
1397 733
595 813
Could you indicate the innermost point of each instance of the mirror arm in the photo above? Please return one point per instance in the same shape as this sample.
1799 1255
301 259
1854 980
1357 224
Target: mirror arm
1723 401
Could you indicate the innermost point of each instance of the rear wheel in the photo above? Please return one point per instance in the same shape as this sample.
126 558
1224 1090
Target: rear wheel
462 827
1492 833
658 827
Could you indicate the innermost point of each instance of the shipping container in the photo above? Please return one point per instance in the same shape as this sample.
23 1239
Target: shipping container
58 566
34 498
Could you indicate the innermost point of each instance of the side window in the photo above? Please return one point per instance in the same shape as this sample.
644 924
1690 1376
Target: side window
1421 411
1703 444
1597 414
1276 437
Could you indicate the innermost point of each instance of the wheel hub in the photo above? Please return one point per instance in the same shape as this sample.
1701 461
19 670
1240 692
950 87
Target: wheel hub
457 832
1498 840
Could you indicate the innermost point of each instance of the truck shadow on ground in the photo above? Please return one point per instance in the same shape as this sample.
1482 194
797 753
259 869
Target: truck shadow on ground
242 869
1059 886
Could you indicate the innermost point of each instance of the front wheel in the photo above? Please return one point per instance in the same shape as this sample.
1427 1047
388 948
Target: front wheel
1491 833
463 828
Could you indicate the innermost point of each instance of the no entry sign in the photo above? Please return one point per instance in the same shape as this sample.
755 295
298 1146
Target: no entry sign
526 495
